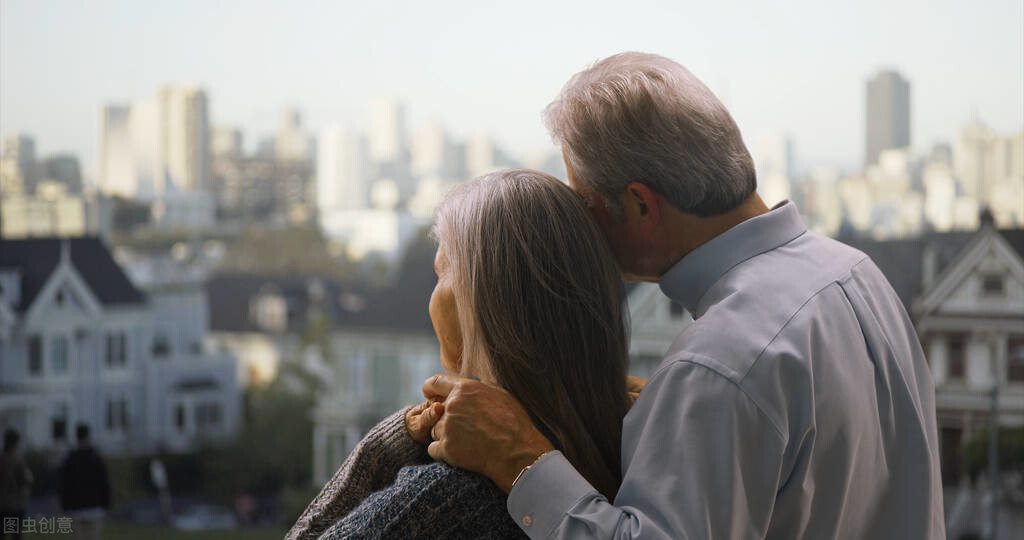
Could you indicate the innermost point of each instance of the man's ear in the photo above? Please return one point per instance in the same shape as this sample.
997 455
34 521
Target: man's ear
641 206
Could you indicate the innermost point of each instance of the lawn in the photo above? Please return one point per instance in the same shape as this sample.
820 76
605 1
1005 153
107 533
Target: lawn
138 532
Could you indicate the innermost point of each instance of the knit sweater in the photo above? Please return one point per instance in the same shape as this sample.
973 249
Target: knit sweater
389 488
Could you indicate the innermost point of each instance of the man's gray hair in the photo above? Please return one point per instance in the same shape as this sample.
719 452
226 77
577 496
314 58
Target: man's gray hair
637 117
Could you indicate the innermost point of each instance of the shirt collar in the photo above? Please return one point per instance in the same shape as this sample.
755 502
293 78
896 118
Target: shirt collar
691 277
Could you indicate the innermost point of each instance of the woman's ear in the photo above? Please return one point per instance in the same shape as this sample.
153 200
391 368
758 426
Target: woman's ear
444 313
456 360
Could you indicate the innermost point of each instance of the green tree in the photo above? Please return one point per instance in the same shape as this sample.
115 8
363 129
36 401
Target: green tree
272 451
295 250
1011 451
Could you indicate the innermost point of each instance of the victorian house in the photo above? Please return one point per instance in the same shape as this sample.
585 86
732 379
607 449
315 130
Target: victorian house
970 317
81 343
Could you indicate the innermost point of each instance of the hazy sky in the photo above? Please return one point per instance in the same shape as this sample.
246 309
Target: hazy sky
797 68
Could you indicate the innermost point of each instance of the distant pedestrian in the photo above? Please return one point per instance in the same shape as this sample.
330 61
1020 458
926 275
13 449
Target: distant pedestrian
84 487
15 486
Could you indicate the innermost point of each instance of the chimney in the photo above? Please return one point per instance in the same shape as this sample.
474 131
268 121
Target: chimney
986 219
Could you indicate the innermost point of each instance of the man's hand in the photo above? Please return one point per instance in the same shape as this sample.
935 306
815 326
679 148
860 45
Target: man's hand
420 419
483 429
634 385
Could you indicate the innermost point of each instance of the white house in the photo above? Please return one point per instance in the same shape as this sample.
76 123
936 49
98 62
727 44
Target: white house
79 343
971 321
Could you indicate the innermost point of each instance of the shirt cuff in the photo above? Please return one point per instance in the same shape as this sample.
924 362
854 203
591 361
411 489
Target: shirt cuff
545 493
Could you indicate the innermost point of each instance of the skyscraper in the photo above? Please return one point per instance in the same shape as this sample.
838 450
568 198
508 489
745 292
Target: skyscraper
387 131
388 147
887 121
64 169
483 155
291 143
149 146
989 168
18 166
225 143
433 154
117 154
185 137
341 182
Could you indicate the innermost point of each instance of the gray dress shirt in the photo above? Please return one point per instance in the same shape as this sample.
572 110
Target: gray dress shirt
797 405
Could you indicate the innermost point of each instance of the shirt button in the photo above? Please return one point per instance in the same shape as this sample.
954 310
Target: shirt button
527 520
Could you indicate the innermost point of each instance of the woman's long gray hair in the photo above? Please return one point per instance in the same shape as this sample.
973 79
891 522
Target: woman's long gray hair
540 305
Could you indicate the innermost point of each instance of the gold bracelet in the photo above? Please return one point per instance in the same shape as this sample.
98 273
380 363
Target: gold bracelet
520 475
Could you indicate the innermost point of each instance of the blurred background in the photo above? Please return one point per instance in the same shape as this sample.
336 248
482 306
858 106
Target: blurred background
214 216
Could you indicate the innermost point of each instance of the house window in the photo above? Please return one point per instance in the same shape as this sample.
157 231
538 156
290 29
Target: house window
117 414
179 417
60 298
676 310
117 345
207 415
956 349
270 312
35 355
59 422
59 355
992 285
161 345
1015 358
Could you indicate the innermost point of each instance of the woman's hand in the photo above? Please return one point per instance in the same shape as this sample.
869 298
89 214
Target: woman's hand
421 419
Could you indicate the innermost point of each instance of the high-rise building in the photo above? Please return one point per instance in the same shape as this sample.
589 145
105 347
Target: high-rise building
225 142
292 143
990 169
387 146
387 131
887 120
433 154
293 162
117 174
153 146
18 169
184 125
341 180
64 169
52 211
483 155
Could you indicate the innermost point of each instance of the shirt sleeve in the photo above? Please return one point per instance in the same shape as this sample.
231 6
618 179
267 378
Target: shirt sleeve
700 460
371 466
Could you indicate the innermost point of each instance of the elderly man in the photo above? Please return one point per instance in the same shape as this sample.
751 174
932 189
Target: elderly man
797 405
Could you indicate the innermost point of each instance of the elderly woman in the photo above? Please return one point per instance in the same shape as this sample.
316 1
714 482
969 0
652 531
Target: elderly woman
528 299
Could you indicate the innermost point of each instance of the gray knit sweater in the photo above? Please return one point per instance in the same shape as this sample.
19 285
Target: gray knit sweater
389 488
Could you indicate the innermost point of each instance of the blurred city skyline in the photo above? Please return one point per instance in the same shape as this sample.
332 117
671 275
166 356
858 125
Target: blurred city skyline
798 70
